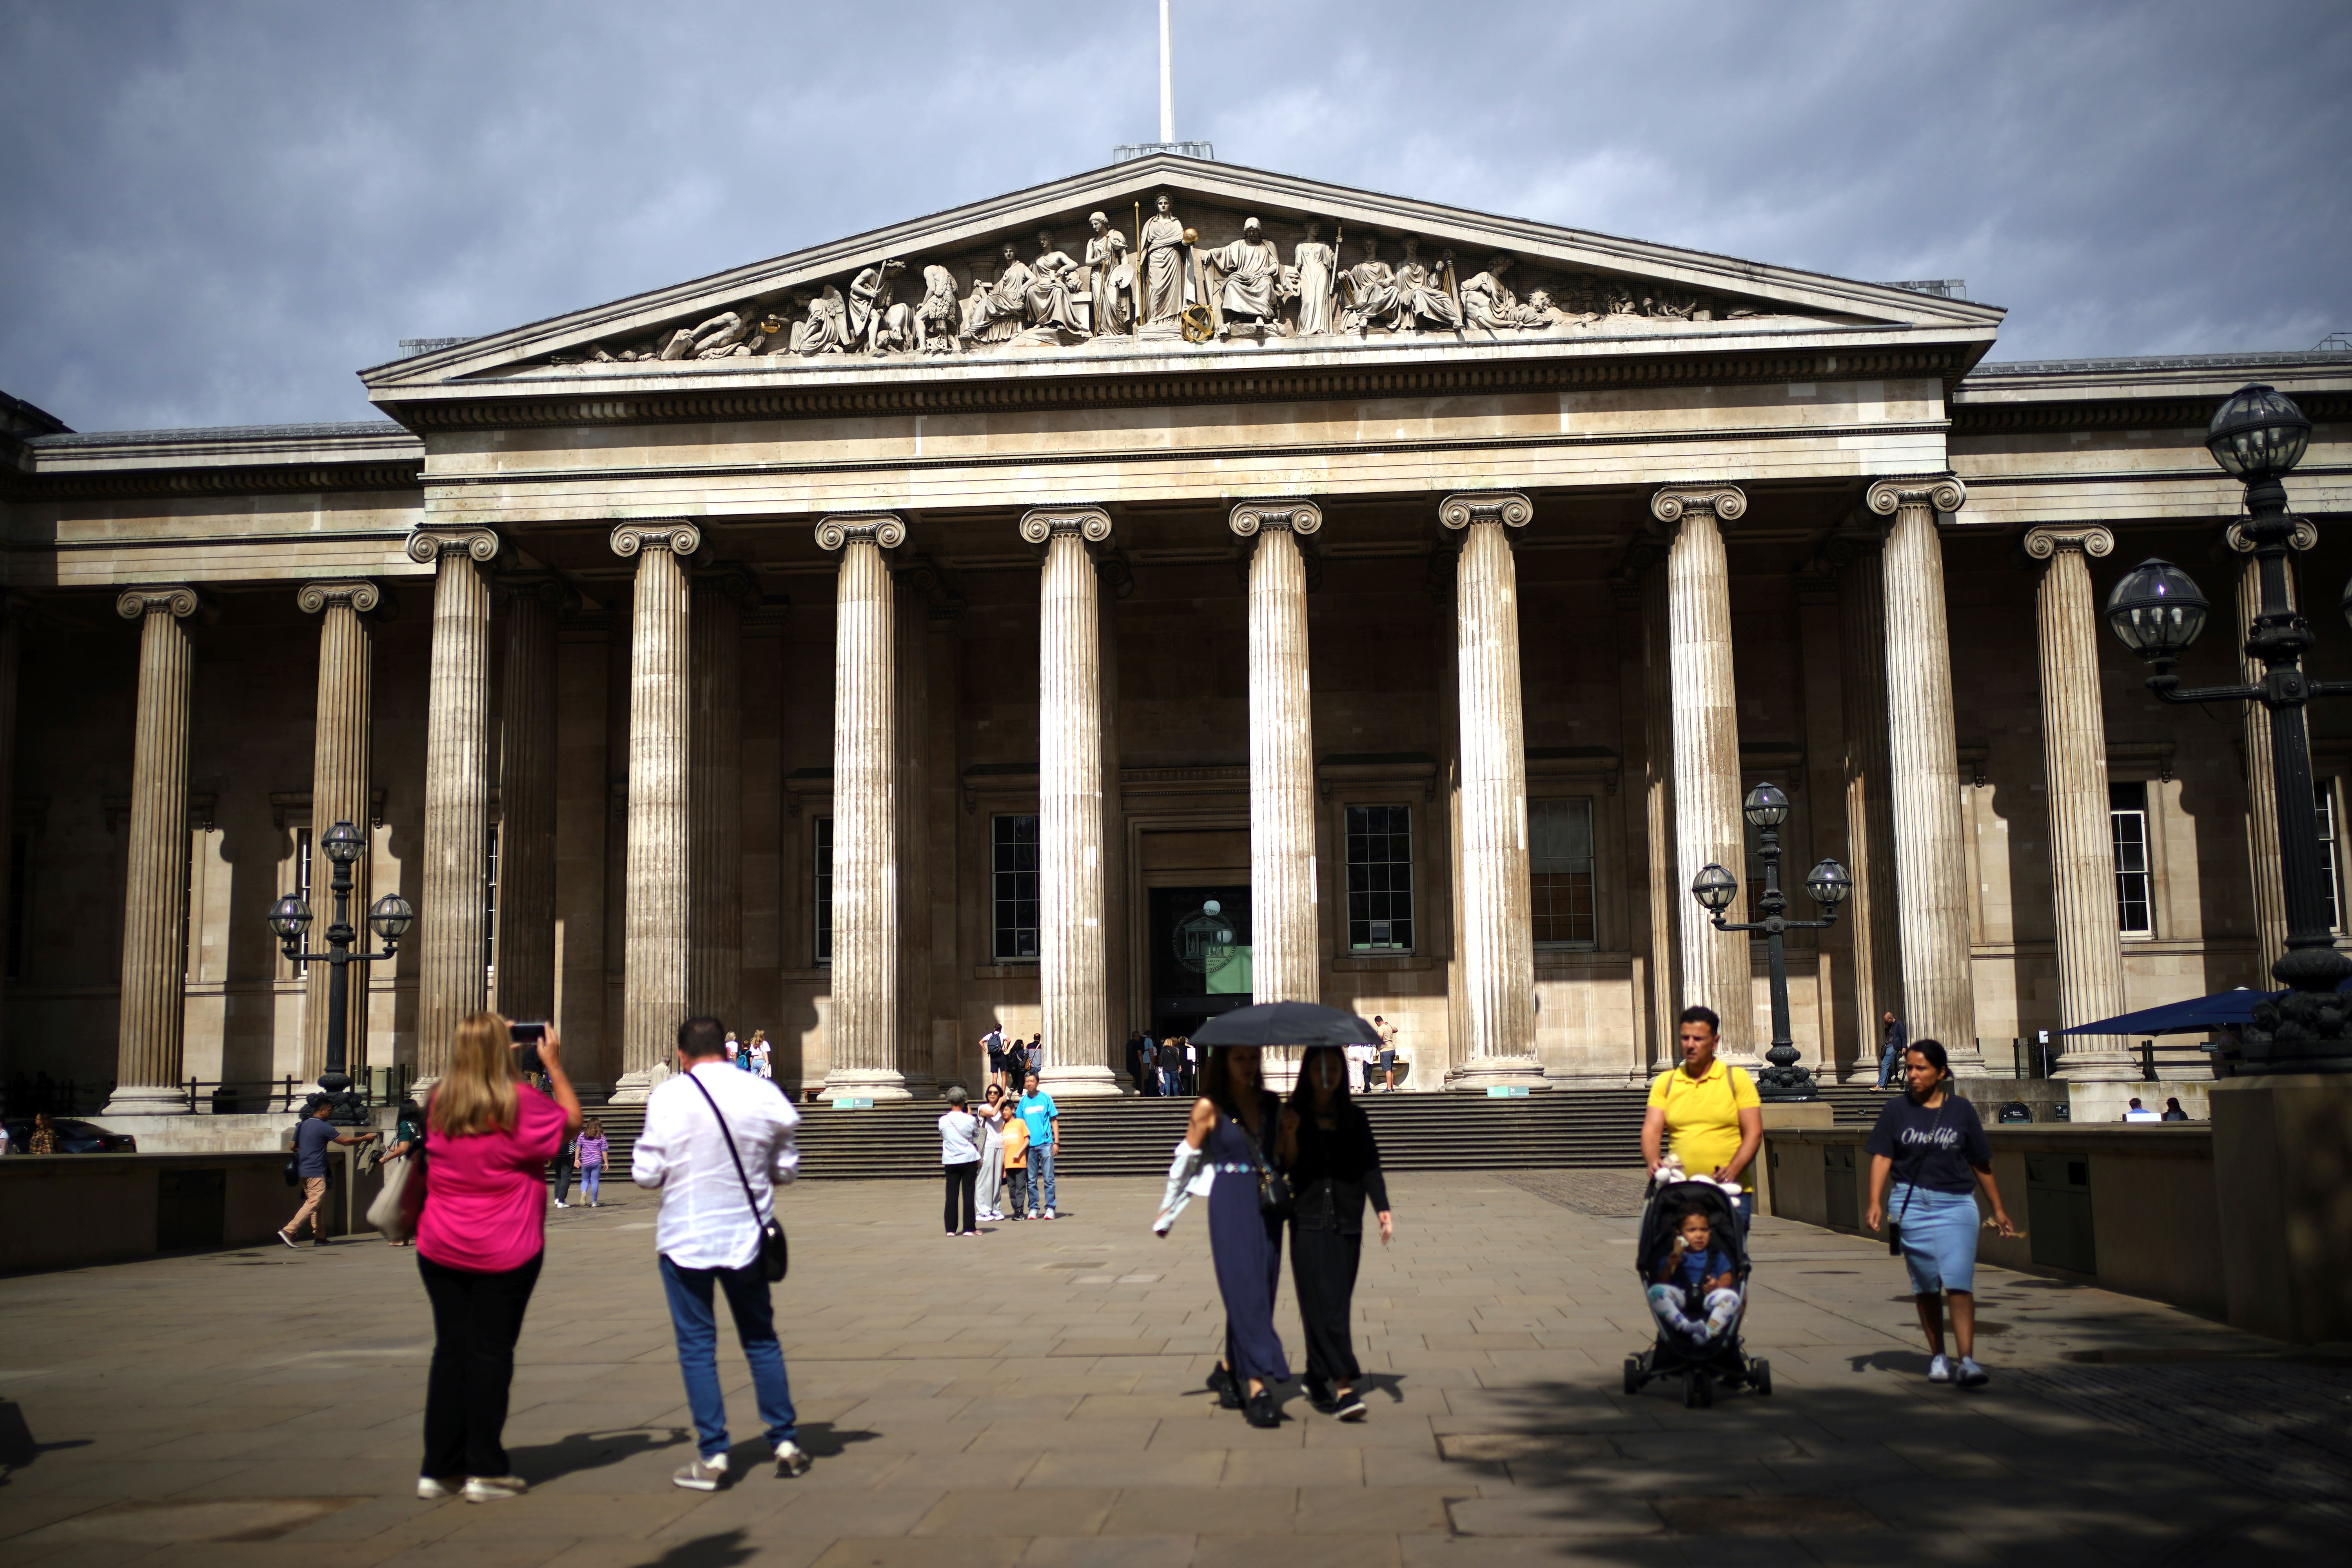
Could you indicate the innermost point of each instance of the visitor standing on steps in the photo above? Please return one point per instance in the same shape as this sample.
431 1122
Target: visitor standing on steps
709 1135
1388 1033
1891 1049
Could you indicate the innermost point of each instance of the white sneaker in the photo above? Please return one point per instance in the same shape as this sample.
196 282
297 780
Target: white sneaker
1940 1370
560 1204
433 1490
493 1488
1971 1375
792 1459
702 1475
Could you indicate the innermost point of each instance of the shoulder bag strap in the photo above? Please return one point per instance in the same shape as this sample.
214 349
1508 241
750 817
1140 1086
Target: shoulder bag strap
731 1154
1909 1187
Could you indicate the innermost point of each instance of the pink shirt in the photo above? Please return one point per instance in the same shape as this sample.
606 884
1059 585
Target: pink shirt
486 1193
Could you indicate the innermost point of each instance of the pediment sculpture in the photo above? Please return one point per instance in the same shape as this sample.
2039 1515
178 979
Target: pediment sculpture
1169 285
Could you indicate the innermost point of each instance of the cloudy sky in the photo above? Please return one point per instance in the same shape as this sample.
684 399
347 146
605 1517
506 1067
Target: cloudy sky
215 213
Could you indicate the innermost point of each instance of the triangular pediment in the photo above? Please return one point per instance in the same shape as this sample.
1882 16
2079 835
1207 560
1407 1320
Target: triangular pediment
1199 284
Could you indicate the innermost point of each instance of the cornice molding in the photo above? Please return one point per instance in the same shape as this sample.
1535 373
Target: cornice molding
360 593
176 599
1670 503
677 535
885 531
1090 523
1511 508
2044 541
1941 491
1293 514
305 478
429 544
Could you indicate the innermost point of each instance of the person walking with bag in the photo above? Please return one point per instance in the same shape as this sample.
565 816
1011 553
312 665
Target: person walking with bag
1234 1122
960 1138
1930 1143
1335 1166
481 1235
717 1143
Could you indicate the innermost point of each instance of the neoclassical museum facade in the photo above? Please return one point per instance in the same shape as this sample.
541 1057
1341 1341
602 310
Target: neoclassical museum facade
1091 609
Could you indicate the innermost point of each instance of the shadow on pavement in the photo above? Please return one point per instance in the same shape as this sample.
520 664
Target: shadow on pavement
543 1462
17 1448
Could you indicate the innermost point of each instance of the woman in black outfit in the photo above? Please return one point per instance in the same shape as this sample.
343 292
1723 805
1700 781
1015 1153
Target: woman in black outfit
1334 1165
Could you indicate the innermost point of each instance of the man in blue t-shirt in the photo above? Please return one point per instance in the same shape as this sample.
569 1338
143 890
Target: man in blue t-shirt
312 1139
1038 1110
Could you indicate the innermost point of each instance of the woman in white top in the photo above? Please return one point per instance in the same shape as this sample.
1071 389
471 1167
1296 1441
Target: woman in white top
960 1138
763 1055
992 1153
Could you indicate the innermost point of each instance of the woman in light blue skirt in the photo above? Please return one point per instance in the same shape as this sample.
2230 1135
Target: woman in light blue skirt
1930 1145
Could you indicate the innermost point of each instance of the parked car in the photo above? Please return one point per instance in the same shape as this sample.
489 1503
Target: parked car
74 1137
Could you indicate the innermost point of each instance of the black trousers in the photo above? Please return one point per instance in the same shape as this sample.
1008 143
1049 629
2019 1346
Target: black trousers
1323 1268
476 1318
963 1180
1016 1187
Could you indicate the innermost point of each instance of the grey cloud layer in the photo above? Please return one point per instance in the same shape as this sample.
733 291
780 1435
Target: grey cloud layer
215 213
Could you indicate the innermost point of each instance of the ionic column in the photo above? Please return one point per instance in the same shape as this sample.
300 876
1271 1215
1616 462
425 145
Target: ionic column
451 979
862 1028
2074 768
1074 955
714 972
1707 824
2262 795
1498 955
525 948
339 793
1871 910
155 897
654 908
1931 865
1286 955
1666 892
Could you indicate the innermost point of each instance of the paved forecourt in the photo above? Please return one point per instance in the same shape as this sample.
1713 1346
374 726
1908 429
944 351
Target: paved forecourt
1034 1397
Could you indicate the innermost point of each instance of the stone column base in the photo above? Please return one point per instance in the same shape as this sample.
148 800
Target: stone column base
1081 1082
877 1084
1480 1074
636 1087
146 1099
1781 1115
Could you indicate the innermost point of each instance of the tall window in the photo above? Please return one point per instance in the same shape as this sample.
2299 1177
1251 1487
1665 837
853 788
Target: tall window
1012 875
1380 878
824 858
1559 871
20 883
490 902
2128 821
2329 866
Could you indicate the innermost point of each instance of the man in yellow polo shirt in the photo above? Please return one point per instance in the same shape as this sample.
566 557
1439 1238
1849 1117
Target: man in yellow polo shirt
1706 1111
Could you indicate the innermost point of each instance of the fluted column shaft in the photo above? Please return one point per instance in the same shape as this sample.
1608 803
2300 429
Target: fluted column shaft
714 983
156 897
1074 955
1923 771
1707 824
1498 957
2262 792
911 800
655 890
1667 892
525 948
1287 948
452 980
2075 769
339 793
1871 910
861 1030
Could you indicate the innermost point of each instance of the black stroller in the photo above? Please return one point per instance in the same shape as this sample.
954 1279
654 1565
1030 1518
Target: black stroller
1720 1359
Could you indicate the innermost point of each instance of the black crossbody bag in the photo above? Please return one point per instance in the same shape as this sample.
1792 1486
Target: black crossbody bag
775 1253
1275 1199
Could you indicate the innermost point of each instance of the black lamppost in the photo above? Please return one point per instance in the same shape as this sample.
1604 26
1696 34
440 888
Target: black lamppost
1715 888
391 917
2258 435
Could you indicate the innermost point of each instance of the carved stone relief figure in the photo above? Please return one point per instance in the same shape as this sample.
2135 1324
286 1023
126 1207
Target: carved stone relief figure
1420 296
1058 291
1164 256
1112 276
1250 271
826 330
1314 280
936 317
1540 314
1367 290
1003 305
869 305
1486 304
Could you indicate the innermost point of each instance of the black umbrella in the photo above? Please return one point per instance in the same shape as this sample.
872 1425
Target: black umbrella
1286 1024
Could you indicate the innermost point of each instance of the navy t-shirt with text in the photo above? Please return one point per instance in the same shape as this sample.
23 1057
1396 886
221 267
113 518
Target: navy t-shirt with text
1936 1149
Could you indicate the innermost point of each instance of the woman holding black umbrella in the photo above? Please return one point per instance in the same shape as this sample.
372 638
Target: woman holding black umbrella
1334 1165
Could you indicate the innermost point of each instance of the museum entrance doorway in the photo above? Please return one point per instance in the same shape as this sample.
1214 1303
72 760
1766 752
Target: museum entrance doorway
1199 955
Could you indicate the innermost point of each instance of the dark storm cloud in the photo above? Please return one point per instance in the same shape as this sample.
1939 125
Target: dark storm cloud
215 213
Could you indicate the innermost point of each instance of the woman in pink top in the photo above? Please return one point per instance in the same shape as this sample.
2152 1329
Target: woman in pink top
488 1139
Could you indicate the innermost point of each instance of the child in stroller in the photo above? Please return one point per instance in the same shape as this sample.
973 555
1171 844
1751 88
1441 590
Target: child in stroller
1694 1265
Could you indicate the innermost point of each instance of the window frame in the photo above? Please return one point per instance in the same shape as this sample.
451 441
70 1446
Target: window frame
820 887
1409 863
2328 806
2146 873
1590 806
999 898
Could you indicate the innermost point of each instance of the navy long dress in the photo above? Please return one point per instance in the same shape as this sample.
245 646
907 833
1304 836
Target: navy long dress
1246 1246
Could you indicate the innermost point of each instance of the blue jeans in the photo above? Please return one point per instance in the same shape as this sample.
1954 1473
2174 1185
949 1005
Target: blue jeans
696 1325
592 1177
1890 1067
1040 1177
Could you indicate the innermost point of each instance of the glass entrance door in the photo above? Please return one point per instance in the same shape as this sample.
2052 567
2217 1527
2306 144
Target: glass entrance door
1199 955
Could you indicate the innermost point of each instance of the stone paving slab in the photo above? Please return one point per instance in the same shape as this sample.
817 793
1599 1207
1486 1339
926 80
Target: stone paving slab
1033 1398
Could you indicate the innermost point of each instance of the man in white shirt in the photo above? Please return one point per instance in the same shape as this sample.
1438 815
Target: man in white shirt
709 1234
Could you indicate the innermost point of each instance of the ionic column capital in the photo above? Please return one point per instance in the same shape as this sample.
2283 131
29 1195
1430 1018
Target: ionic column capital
432 543
1509 508
2044 542
2306 537
1090 523
886 531
177 599
1941 491
360 593
732 580
1725 504
675 534
1294 514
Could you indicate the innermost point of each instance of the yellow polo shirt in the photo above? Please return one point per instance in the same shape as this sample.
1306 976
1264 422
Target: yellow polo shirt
1703 1116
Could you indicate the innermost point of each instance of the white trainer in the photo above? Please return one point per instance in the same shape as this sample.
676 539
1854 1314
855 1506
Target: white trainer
1971 1375
433 1490
494 1488
1940 1370
792 1459
702 1475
